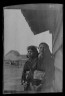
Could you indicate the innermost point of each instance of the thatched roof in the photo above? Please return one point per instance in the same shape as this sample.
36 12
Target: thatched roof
14 55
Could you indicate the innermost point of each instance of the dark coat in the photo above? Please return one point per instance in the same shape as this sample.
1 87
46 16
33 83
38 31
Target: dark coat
46 63
30 65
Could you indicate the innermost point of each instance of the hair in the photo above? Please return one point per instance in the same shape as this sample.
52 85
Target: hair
45 44
34 49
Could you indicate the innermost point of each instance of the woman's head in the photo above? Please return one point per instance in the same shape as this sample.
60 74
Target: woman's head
32 52
42 47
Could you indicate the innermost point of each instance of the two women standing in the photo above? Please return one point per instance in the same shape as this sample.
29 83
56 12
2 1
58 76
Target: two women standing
42 62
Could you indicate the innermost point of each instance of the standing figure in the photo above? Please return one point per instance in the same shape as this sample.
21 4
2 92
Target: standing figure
29 67
45 63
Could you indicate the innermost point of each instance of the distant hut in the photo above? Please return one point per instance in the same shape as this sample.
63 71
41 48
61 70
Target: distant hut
12 57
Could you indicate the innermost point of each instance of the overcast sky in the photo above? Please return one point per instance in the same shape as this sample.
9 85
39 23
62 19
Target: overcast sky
18 35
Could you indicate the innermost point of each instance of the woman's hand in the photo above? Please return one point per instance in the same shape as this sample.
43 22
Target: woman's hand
22 82
36 87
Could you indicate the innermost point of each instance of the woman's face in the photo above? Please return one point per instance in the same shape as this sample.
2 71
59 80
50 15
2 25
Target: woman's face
30 53
41 48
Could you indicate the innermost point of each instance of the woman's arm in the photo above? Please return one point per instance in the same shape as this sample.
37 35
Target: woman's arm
24 71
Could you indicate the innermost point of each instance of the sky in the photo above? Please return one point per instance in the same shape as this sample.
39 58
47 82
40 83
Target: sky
18 35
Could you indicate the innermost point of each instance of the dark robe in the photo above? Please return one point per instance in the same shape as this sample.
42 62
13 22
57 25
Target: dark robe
46 63
31 66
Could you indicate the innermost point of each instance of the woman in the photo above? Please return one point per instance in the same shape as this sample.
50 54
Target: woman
29 67
45 63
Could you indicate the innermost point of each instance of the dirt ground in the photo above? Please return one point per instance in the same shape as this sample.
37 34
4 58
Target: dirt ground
12 80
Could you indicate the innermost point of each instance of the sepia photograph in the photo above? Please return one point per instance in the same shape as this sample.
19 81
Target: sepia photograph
33 48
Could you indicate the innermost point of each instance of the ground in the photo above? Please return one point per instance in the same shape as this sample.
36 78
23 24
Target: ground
12 79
